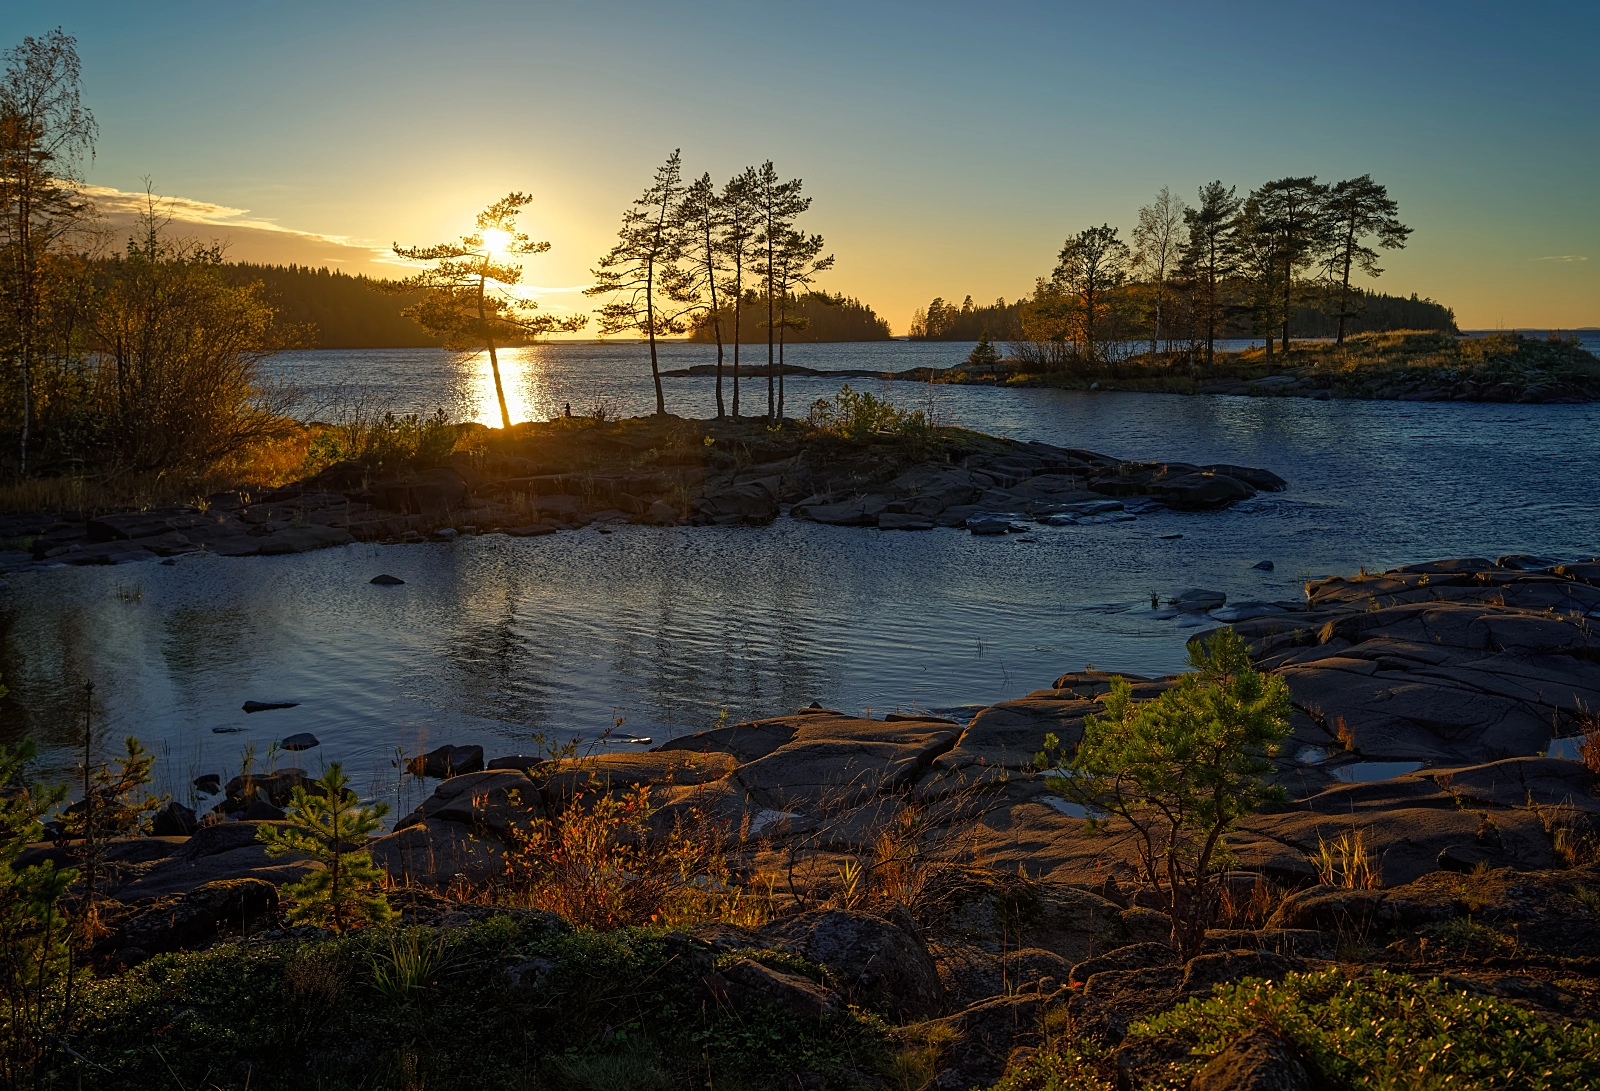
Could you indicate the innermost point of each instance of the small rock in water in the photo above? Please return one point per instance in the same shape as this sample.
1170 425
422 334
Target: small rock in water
265 706
305 740
387 580
1265 566
447 761
208 785
446 534
227 730
1170 537
1199 600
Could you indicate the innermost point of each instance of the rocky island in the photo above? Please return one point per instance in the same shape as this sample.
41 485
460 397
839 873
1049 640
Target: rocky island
541 478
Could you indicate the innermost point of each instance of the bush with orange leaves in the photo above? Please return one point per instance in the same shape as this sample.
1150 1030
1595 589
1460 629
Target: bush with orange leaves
605 864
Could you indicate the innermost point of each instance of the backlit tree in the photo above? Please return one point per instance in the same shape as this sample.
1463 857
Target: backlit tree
469 291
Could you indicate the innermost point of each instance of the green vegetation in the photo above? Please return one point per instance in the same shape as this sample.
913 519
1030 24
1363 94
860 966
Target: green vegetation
1181 770
516 1001
860 415
1368 1031
1373 360
814 317
329 826
36 968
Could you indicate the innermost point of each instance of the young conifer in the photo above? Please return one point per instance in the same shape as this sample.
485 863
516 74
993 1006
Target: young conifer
330 826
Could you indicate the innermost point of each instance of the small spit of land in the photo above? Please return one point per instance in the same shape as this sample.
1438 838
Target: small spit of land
1404 365
917 906
1400 365
872 466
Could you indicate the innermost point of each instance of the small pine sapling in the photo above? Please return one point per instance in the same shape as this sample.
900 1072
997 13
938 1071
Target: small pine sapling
112 806
1181 770
36 967
984 355
330 825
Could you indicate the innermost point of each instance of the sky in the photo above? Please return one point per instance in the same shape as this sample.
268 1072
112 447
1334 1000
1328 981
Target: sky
949 148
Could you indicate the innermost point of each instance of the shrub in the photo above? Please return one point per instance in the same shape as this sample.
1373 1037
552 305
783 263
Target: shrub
1181 770
330 826
1382 1030
860 415
602 865
383 441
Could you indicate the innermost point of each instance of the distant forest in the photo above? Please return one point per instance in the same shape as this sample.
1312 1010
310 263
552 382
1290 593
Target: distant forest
1374 312
813 317
336 310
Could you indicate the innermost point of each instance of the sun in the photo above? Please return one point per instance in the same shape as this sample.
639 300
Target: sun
496 241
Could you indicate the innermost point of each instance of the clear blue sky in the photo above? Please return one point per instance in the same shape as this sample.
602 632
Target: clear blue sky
949 147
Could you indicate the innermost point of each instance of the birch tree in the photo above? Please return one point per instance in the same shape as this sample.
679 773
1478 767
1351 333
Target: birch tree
1158 241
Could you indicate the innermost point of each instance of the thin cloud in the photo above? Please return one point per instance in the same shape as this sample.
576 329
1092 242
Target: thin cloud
189 210
1563 257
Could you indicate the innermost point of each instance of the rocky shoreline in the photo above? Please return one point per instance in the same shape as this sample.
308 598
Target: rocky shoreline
547 478
1425 701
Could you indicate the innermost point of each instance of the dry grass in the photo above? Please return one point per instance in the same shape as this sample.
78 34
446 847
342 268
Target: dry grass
1346 863
1402 353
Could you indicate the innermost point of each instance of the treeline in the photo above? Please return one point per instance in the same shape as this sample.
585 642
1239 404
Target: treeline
1374 312
335 310
142 359
1276 262
817 317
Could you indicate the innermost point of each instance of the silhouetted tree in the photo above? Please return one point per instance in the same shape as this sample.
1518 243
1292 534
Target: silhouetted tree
700 226
647 247
797 267
1285 221
1093 264
1208 255
740 218
1354 210
467 297
45 131
777 205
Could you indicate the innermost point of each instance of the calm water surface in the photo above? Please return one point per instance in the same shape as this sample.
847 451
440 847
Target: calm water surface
494 639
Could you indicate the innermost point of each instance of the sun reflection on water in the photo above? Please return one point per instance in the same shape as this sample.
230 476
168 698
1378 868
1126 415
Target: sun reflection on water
523 376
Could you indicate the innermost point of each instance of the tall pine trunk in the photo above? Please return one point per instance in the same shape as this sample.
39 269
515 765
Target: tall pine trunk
494 360
650 321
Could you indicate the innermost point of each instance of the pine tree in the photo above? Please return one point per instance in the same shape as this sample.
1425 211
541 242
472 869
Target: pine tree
36 968
468 296
984 355
638 270
330 826
1356 209
1209 256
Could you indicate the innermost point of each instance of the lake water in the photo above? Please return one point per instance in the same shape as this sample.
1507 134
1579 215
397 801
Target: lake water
495 640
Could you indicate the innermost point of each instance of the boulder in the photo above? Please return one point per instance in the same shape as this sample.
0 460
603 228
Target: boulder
1198 600
195 918
303 540
1204 972
386 580
754 502
208 785
305 740
1260 1061
879 963
748 981
174 820
434 852
861 511
1201 491
447 761
482 802
275 788
224 850
982 1039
